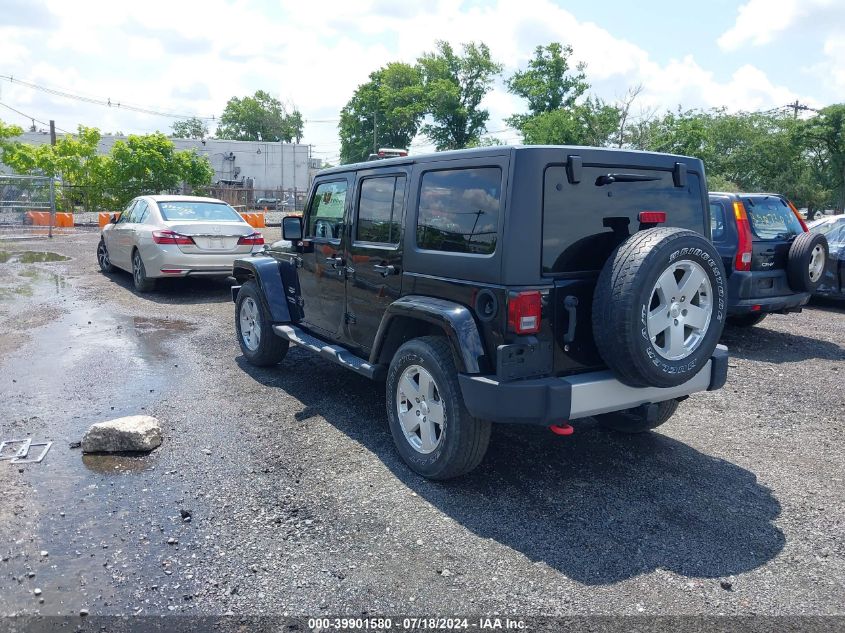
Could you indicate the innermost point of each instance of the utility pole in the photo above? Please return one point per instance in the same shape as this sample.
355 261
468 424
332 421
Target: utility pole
375 131
52 183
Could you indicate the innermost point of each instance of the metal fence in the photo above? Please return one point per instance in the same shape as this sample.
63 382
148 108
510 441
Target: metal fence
27 206
248 198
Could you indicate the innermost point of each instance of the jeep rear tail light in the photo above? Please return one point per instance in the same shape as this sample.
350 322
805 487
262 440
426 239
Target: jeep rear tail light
524 310
253 239
742 261
798 215
171 237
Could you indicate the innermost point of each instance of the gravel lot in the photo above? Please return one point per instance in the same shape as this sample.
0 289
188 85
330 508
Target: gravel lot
299 505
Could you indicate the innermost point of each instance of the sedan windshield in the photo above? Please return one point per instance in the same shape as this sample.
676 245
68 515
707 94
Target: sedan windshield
201 211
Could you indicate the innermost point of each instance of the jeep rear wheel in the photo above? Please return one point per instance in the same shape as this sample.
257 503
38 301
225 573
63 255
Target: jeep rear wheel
635 421
259 344
659 307
432 430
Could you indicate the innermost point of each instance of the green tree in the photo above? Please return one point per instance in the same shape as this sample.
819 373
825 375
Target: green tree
825 137
592 122
259 118
393 101
549 83
190 128
150 164
454 87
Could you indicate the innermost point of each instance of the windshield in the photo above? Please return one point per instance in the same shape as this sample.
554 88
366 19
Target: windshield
200 211
771 218
825 225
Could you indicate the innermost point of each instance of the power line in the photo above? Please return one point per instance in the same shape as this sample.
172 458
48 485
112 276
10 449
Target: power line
103 102
32 118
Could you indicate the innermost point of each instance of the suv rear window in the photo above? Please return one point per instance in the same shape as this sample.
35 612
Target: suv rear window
584 222
771 218
459 210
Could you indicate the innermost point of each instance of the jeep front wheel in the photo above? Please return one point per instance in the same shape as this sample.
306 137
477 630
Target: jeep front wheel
432 430
659 307
259 344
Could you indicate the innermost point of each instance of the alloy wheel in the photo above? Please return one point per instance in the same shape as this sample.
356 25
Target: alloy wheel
680 310
250 324
421 410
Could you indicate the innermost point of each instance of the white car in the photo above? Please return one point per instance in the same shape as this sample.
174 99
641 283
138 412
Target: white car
175 236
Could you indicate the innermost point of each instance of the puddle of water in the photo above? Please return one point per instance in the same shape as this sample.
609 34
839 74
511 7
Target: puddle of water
31 257
149 323
117 464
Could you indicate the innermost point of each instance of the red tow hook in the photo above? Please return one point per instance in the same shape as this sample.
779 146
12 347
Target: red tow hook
562 429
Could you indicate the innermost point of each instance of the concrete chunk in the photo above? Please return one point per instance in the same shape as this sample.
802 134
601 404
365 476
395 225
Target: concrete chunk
135 433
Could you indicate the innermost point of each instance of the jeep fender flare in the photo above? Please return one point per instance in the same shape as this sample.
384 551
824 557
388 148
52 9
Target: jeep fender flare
455 320
272 276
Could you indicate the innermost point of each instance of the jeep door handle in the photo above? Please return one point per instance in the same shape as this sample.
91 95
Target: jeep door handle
385 270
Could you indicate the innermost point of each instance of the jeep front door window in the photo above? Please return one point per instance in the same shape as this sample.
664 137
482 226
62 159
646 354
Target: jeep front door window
322 277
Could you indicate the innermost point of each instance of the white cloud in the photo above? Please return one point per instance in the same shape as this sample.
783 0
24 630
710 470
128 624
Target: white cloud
804 25
189 58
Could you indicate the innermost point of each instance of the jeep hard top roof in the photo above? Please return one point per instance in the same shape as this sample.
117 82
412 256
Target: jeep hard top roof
600 155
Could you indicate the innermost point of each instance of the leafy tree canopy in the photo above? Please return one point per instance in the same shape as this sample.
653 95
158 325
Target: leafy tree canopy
190 128
259 118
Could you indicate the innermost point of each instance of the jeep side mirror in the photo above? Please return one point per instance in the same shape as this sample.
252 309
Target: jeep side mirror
292 228
114 218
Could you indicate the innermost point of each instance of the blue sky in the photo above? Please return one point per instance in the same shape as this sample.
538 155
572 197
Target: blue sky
190 57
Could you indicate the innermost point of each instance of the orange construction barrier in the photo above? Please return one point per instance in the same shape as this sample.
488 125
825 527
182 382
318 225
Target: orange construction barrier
255 220
64 220
104 217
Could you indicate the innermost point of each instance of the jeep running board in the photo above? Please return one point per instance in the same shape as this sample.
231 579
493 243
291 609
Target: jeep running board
334 353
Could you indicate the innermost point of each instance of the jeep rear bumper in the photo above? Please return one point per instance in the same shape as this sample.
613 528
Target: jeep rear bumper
551 400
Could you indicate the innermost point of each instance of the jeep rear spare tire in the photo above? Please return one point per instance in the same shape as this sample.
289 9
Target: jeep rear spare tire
659 307
807 259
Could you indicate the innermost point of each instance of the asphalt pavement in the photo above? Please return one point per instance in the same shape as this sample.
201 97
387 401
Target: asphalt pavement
278 491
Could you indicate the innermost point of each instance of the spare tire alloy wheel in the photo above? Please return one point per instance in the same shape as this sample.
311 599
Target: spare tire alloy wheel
807 259
659 307
680 309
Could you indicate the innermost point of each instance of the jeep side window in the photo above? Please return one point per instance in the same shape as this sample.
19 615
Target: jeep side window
459 210
325 216
380 209
717 222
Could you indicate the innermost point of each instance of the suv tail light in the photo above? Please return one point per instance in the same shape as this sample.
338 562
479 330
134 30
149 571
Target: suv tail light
742 261
253 239
798 215
171 237
524 311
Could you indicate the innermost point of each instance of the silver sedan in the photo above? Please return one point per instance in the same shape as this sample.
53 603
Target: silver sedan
175 236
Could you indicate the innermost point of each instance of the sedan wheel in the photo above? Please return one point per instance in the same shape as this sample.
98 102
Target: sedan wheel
103 257
139 274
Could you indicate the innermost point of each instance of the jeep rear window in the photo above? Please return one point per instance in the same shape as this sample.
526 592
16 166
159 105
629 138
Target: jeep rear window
583 222
771 218
459 210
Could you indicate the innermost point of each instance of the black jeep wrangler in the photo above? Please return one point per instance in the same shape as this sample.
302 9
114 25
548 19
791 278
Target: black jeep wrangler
530 285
